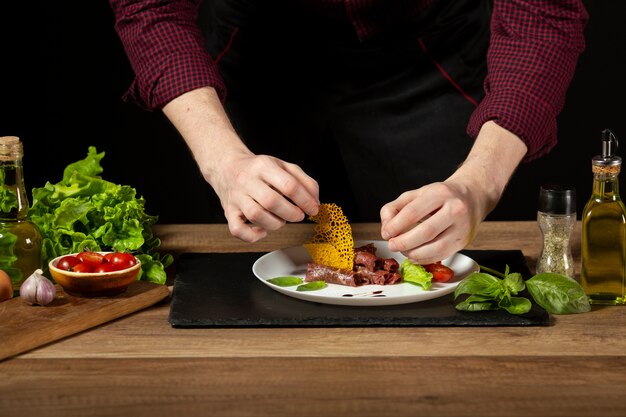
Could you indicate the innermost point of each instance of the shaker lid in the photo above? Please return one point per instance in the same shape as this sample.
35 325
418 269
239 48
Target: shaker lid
557 199
609 146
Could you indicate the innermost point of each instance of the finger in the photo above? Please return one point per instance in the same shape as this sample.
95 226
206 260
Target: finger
311 186
258 215
240 229
275 203
418 235
296 185
414 211
389 211
443 246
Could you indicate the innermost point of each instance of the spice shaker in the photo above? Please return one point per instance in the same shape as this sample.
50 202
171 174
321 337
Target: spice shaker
603 241
556 218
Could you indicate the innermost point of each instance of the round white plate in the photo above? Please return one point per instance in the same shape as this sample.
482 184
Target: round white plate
293 261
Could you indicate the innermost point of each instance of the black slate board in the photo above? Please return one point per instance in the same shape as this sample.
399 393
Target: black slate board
220 290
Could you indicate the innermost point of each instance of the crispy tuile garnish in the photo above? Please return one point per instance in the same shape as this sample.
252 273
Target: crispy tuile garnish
332 243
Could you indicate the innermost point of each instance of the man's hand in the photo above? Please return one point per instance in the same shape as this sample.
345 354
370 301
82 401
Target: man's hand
258 193
433 222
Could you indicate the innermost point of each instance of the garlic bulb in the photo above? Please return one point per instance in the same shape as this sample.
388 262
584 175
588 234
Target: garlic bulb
37 289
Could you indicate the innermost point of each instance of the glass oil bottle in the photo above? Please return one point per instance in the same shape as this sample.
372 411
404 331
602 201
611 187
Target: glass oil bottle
603 252
20 239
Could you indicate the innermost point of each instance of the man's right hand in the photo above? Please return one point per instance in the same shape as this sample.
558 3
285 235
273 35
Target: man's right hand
258 193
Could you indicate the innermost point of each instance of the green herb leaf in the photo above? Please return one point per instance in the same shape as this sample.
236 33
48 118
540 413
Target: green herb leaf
312 286
558 294
514 282
516 305
477 303
416 274
478 283
286 281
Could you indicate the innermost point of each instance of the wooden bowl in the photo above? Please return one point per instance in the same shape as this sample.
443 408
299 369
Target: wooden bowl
93 284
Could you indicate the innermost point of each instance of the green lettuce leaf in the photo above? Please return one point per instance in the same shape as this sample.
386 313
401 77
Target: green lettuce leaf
416 274
84 211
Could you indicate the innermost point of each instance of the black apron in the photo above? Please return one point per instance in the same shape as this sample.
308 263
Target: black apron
368 120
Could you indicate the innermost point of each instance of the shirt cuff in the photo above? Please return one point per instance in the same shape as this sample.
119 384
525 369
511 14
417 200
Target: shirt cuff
523 114
180 73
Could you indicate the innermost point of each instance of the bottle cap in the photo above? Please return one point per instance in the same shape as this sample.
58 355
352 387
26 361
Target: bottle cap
557 199
10 148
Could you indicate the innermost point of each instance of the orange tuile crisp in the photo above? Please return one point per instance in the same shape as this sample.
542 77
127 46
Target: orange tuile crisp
332 243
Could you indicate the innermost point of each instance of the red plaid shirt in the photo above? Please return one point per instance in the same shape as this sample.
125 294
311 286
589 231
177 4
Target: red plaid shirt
531 60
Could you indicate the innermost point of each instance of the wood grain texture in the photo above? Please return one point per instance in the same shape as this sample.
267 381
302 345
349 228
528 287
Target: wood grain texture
24 327
367 386
139 365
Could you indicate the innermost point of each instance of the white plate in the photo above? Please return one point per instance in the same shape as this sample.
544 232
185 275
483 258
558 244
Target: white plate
293 261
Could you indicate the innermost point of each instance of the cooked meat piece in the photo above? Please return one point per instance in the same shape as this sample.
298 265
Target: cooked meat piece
390 265
365 259
317 272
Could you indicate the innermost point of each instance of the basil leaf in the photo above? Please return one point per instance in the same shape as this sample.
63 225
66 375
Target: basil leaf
286 281
477 283
516 305
312 286
474 303
558 294
514 282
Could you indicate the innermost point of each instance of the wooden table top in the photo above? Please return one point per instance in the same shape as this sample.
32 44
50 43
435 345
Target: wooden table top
140 366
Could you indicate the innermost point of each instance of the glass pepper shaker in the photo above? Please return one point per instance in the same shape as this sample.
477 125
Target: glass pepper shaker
556 218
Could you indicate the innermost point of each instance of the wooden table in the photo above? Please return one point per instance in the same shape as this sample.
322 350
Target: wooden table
140 366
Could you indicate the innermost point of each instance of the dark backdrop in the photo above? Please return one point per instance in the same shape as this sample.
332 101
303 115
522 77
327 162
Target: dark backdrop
64 71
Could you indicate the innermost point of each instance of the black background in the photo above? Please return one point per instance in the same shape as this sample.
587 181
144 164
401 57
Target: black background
64 72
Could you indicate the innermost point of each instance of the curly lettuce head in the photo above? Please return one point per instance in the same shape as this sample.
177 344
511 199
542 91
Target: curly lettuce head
84 211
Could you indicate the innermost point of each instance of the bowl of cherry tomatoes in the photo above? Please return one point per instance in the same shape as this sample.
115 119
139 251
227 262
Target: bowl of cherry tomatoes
95 274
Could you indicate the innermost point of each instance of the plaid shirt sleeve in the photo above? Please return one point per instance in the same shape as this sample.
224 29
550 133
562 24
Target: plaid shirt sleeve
532 56
166 50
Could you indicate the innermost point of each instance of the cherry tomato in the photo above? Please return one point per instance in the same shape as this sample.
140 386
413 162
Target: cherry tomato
104 267
121 260
441 273
91 259
66 263
82 267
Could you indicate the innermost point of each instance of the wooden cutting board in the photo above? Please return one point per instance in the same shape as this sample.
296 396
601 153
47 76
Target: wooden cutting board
24 327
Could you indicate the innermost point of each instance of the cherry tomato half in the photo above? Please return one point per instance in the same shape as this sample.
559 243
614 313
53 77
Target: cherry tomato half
441 273
66 263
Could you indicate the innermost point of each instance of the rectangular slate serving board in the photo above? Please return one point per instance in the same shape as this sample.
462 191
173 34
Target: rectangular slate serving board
220 290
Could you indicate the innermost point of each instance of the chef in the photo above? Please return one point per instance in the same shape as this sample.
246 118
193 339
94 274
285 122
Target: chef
412 113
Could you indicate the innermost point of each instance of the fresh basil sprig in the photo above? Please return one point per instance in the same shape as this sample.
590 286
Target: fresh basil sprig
556 293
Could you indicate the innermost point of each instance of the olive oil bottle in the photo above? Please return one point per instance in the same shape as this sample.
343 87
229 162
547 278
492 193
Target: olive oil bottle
20 239
603 252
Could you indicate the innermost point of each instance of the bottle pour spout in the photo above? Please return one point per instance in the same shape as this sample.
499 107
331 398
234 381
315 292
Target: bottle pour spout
609 144
608 158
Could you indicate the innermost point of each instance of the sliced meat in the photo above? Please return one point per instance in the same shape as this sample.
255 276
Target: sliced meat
368 269
317 272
